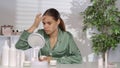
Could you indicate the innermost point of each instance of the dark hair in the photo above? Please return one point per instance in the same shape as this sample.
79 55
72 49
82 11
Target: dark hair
56 15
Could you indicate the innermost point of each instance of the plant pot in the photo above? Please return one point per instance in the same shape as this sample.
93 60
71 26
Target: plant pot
103 60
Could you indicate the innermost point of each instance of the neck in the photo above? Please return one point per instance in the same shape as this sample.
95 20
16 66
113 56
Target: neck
54 34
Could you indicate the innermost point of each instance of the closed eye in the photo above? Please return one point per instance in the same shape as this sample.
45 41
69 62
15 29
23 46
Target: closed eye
43 23
49 23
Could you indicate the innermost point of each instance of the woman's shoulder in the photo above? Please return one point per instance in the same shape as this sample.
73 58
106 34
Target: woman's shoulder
67 33
41 31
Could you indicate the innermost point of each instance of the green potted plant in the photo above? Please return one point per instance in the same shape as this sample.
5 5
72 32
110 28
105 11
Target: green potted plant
105 17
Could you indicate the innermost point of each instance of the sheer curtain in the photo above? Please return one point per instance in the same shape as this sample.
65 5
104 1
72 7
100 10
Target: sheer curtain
25 13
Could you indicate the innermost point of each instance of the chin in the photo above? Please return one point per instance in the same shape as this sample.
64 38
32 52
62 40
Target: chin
48 33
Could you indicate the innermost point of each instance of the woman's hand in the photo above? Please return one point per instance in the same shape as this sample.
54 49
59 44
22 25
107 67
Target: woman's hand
48 58
36 23
38 18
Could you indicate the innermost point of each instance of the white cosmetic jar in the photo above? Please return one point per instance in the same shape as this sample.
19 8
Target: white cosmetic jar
53 62
41 57
27 63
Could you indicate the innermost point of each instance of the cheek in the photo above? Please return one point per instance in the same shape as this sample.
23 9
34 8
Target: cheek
52 27
55 26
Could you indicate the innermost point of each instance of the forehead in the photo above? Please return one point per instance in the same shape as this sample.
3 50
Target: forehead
48 18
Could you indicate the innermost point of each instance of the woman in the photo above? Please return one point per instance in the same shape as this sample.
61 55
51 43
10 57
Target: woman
59 43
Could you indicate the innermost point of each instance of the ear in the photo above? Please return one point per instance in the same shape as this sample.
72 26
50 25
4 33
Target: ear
58 21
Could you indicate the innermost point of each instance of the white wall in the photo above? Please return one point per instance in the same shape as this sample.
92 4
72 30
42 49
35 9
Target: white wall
7 11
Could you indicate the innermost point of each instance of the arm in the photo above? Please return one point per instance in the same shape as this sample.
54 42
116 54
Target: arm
36 23
22 42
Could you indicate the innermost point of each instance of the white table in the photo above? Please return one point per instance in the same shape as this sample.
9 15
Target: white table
83 65
86 65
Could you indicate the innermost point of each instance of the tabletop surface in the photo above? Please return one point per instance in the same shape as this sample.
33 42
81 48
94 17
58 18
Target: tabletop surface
83 65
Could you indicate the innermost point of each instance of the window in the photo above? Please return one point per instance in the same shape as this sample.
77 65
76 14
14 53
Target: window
25 13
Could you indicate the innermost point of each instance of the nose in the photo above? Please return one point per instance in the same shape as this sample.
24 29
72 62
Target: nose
45 26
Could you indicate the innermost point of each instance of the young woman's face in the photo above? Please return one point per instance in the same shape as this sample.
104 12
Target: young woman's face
50 25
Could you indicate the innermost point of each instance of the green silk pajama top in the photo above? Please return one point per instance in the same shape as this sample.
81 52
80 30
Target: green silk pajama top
65 50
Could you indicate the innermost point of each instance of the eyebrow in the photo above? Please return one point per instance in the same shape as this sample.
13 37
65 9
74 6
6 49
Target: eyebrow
46 22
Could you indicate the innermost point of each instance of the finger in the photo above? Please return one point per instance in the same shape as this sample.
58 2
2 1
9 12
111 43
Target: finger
38 15
43 17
